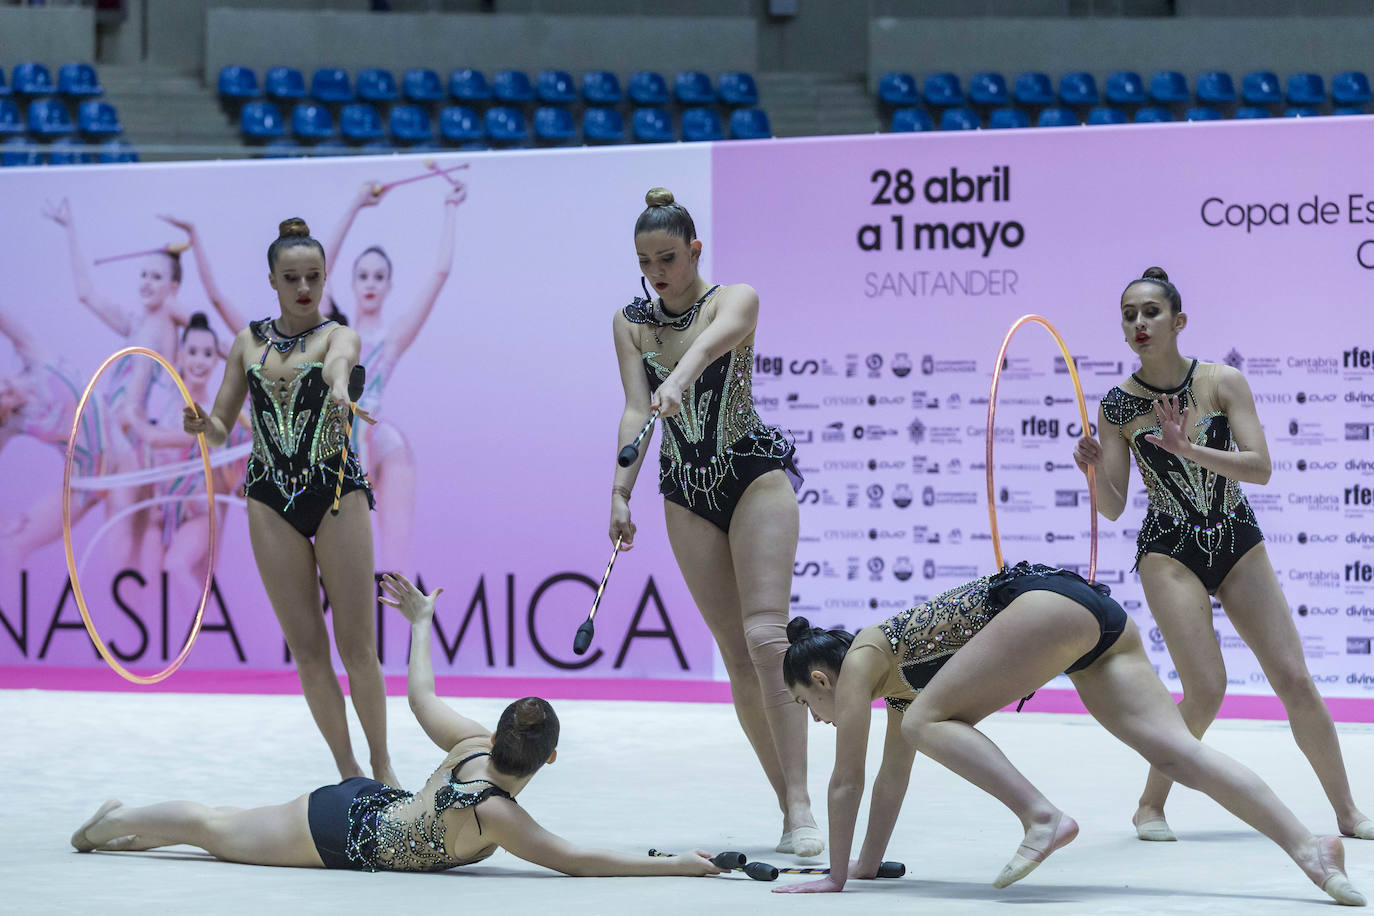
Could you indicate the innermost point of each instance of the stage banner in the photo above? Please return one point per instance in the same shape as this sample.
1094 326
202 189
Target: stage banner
888 269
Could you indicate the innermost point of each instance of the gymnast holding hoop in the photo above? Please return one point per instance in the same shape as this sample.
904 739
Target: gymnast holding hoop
296 369
464 811
687 357
1200 537
945 665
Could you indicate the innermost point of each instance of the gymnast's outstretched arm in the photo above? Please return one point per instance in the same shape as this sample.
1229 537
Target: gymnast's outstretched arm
233 389
889 790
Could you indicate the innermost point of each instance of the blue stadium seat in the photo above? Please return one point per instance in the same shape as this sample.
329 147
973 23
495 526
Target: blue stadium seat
555 87
601 87
512 87
1125 87
115 151
750 124
11 122
694 88
312 122
421 84
1169 87
376 85
283 148
701 124
1078 88
899 89
988 89
78 81
361 123
1057 117
1007 118
1154 115
331 86
1300 111
1216 88
98 119
377 148
506 125
261 121
468 86
4 87
1261 88
738 90
1350 88
1104 114
603 125
1348 110
1033 88
648 88
1306 89
49 119
1202 113
66 151
911 120
32 79
554 124
284 84
1250 112
410 125
238 83
943 90
461 124
959 119
17 151
652 125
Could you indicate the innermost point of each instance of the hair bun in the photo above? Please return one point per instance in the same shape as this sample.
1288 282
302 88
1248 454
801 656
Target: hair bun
1155 273
294 227
798 628
659 197
198 321
528 713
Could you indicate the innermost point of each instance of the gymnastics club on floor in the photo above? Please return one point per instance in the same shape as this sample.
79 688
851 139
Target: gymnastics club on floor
762 871
357 380
169 248
377 189
583 639
630 453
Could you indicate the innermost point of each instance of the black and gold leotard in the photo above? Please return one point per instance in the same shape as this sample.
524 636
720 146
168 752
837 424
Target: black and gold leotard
1196 516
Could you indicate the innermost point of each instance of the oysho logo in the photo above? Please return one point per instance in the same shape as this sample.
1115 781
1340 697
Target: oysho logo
844 465
845 534
843 400
1273 397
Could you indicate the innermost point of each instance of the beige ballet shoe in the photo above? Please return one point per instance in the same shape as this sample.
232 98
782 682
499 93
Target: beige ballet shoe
1331 858
805 842
1364 830
82 843
1065 830
1155 831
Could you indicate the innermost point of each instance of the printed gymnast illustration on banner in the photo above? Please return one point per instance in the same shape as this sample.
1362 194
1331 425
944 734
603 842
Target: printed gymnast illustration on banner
888 270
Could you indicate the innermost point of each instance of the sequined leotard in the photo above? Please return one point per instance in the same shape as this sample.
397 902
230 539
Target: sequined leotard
362 824
923 638
1196 516
298 438
716 445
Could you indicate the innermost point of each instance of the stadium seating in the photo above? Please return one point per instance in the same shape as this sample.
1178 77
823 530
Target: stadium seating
1033 88
311 122
554 124
48 119
603 125
506 125
11 121
701 124
1125 87
555 87
18 151
601 87
652 125
285 84
331 85
959 119
988 89
1078 89
648 88
1260 88
1057 117
376 85
361 123
410 124
461 124
1105 114
738 90
1216 88
911 120
749 124
512 87
261 121
78 81
1350 88
943 90
1007 118
469 86
694 88
1169 87
1306 89
32 79
97 119
422 85
899 89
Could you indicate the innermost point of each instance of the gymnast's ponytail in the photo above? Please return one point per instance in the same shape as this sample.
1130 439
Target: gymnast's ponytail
812 649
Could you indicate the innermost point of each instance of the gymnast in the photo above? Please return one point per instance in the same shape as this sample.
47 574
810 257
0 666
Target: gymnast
465 810
728 485
1200 536
945 665
300 414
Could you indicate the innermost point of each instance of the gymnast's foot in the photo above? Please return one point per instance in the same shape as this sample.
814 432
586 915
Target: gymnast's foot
1356 826
1042 838
81 842
1150 825
1324 862
800 835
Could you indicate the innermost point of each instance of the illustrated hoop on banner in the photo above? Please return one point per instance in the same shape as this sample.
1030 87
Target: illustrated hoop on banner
67 523
1083 413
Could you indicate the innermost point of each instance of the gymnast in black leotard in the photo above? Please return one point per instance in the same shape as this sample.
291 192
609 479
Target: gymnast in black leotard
1196 436
727 478
295 369
462 813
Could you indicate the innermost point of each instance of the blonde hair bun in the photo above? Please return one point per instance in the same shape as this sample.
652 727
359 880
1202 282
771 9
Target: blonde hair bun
659 197
294 227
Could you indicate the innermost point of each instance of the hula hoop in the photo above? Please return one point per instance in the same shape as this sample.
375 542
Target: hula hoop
222 498
160 472
1082 412
67 524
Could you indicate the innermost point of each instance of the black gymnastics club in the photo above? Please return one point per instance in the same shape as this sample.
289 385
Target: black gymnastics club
357 380
733 861
583 639
629 453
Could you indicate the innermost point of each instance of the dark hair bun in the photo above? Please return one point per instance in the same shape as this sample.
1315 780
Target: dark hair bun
798 628
528 713
198 322
294 227
659 197
1155 273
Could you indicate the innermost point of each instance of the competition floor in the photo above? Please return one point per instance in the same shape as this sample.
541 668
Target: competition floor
630 776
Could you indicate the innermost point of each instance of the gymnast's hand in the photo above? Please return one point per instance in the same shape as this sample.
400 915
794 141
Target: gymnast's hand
409 600
697 864
859 873
1173 427
621 526
195 421
1087 454
338 393
826 885
667 400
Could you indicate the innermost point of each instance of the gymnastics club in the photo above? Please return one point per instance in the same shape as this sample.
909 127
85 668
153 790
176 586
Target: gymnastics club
169 248
378 189
733 861
357 380
630 453
583 639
